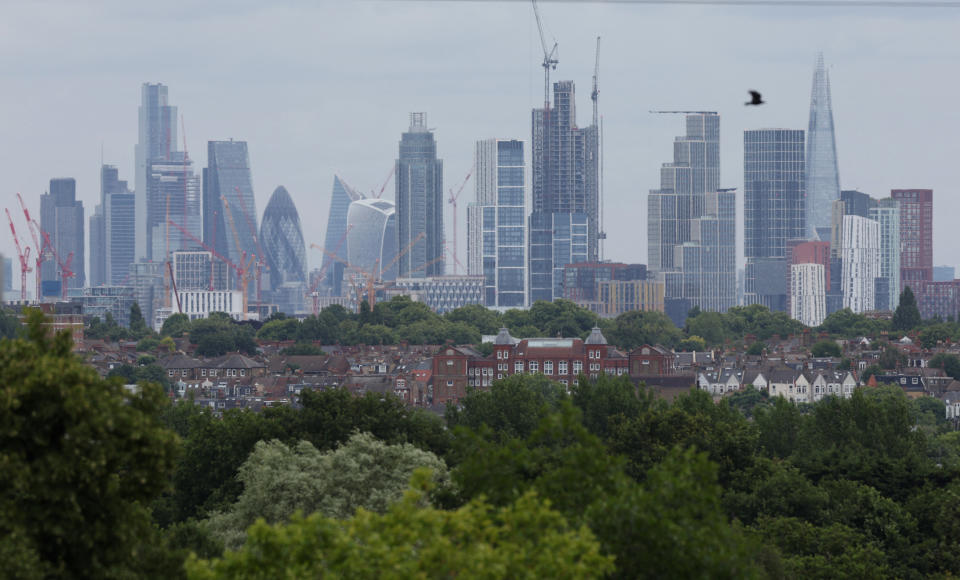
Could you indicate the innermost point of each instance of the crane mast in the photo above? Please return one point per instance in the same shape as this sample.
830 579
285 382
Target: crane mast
24 259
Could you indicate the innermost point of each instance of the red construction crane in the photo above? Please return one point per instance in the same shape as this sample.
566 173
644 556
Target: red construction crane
42 256
385 183
453 201
368 277
261 263
316 284
243 270
65 272
24 259
399 255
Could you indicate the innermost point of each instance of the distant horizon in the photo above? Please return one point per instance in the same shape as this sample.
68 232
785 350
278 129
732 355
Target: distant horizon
311 106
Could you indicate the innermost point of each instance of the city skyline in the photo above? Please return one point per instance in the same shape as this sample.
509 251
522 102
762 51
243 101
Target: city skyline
869 74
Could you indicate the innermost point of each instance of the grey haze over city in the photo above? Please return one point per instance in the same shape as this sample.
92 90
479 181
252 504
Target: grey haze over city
319 89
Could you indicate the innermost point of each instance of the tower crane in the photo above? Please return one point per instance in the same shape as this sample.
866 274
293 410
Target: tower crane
24 259
386 182
399 255
371 296
65 272
453 201
314 295
242 270
595 93
550 59
261 262
42 255
594 96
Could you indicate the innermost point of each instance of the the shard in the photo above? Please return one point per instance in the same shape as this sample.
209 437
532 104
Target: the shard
823 180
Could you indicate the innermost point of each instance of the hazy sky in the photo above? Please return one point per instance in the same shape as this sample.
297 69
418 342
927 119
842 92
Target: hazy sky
325 88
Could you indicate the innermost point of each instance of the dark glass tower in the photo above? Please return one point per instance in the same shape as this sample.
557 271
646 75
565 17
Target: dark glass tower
563 226
61 216
227 177
119 226
774 211
419 180
822 176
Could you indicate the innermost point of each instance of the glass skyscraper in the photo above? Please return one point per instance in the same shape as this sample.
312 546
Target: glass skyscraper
372 238
335 241
227 176
887 214
563 226
419 202
691 229
61 216
496 240
773 209
286 252
822 176
157 142
173 194
118 210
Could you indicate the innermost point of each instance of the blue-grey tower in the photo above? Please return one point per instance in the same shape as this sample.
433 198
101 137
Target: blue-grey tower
335 241
282 239
61 216
227 182
158 138
419 179
822 176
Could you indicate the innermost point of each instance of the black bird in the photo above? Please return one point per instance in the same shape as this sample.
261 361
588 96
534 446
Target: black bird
755 99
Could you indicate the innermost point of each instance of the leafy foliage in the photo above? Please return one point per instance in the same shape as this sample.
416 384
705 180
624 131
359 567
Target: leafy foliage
907 315
79 456
526 539
825 348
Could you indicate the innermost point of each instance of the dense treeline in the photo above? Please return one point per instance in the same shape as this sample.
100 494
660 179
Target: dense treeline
523 480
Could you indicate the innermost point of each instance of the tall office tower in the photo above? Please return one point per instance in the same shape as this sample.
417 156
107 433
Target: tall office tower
372 239
823 180
690 224
7 274
118 205
335 241
173 194
916 236
564 225
496 241
61 216
773 210
808 295
157 142
282 239
419 202
860 254
98 247
229 207
887 214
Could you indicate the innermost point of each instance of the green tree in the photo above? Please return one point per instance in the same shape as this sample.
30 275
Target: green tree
757 348
279 329
176 325
907 315
693 343
950 364
673 525
79 458
279 480
512 407
483 320
138 326
710 325
891 358
635 328
524 540
148 344
10 326
871 371
825 348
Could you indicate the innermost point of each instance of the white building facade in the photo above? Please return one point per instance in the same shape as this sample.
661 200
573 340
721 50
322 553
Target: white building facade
860 253
808 293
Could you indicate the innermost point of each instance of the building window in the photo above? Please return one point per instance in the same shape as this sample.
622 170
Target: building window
203 372
243 372
590 353
577 367
562 367
534 366
518 367
548 367
449 363
449 383
170 373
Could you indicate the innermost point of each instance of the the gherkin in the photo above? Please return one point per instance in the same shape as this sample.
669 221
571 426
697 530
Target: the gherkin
282 240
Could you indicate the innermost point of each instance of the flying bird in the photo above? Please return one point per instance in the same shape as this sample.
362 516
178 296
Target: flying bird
755 99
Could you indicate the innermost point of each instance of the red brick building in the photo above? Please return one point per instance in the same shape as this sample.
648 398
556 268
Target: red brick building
560 359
